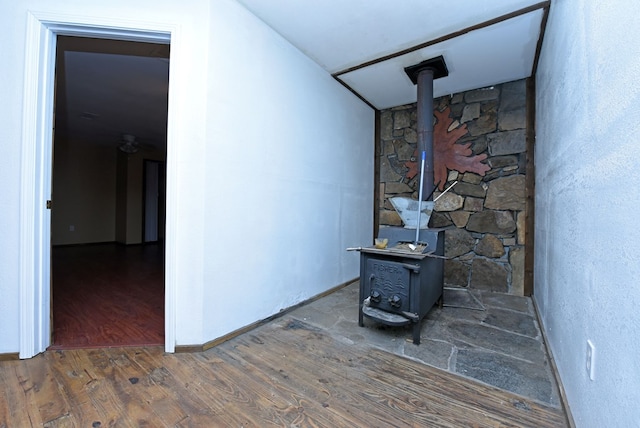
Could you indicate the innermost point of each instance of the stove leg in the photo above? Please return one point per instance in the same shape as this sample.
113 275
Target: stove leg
416 333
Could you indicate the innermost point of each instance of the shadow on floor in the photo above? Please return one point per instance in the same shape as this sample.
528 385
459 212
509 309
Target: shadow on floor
490 337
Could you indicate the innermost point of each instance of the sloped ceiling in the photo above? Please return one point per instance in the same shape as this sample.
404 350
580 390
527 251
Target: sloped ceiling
366 44
109 88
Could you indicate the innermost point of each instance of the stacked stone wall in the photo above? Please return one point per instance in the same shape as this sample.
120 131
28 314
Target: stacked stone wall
483 216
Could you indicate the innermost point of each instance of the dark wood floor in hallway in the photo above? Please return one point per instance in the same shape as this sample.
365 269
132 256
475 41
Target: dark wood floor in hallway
107 295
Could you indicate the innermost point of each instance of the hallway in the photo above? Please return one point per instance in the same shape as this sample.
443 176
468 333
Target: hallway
107 295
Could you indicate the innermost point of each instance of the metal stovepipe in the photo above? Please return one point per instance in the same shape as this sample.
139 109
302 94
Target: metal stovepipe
425 127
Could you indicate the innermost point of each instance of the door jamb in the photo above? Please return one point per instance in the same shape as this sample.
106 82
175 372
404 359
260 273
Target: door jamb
36 165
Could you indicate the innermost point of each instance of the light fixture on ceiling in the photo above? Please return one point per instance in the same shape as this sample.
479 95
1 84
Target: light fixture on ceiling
128 144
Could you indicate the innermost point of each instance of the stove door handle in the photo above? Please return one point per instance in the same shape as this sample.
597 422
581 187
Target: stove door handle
414 268
412 316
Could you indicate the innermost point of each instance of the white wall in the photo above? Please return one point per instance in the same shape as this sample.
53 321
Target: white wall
587 256
290 175
10 134
255 124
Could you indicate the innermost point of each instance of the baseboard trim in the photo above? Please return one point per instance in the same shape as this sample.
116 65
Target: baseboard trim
554 368
11 356
247 328
83 244
89 244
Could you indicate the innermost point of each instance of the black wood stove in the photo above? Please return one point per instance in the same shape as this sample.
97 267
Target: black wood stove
399 284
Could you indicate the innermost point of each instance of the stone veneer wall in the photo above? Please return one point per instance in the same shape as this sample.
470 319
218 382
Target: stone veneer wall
484 216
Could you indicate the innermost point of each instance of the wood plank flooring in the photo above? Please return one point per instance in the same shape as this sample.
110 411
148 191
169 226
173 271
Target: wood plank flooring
285 373
107 295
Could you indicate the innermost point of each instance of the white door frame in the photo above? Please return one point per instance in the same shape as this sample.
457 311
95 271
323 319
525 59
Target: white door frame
37 142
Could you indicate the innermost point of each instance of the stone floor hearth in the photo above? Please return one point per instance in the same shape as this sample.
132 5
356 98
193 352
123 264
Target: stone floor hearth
491 337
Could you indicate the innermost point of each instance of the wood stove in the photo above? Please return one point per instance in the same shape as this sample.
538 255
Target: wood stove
399 284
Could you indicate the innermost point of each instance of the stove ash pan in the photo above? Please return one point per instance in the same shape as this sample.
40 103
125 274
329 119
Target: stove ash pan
400 287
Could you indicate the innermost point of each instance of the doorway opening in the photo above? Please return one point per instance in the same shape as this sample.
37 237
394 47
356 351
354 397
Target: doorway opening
108 181
154 195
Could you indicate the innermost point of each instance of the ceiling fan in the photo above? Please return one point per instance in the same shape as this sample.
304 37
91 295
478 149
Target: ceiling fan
128 144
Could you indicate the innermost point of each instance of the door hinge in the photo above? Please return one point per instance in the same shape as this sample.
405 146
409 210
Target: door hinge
48 204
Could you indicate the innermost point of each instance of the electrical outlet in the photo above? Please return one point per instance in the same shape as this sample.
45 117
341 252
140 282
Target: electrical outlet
591 359
72 228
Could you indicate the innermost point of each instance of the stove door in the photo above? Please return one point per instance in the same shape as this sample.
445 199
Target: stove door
389 284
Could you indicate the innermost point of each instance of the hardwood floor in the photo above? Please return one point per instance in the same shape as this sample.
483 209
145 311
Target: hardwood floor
285 373
107 295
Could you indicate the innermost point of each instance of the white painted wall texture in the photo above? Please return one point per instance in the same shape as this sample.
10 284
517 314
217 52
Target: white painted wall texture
10 150
273 161
290 175
587 264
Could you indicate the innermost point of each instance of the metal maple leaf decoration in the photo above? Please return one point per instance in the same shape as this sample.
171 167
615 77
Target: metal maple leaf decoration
447 154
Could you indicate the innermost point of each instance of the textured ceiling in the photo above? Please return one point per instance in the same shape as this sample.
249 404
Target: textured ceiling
339 34
361 42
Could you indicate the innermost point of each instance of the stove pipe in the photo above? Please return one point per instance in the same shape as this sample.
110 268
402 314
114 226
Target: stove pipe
423 75
425 127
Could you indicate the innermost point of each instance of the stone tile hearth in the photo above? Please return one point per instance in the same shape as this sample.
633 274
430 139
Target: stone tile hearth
498 343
